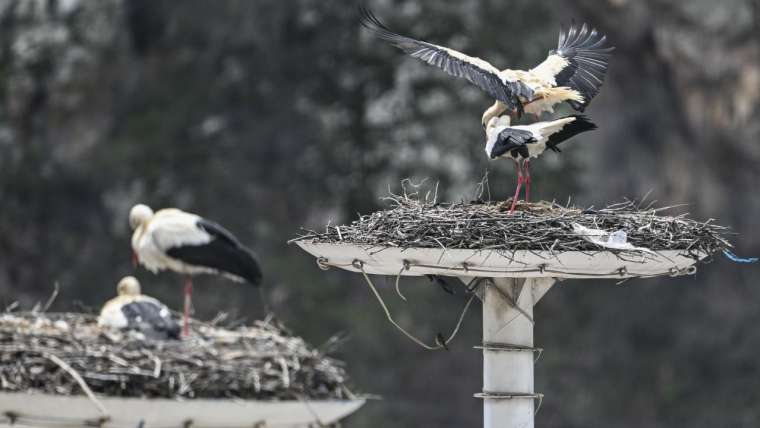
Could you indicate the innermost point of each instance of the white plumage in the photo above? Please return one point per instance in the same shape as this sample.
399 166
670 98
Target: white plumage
523 142
539 132
572 73
166 229
189 244
134 310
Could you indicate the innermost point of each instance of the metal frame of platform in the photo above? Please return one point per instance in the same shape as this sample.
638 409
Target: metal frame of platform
516 282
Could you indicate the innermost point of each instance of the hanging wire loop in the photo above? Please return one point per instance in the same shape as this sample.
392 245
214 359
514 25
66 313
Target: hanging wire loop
440 344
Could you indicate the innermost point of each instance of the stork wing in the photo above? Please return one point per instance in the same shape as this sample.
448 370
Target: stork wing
479 72
218 232
580 62
150 317
567 130
223 252
510 138
174 228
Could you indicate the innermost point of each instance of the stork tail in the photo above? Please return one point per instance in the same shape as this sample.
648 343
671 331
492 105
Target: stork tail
579 125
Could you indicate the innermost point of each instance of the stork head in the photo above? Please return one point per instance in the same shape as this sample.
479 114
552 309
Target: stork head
128 286
138 215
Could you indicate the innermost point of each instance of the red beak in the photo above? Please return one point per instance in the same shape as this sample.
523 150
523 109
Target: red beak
135 259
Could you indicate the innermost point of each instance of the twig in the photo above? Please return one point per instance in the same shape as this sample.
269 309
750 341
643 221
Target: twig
73 373
56 289
261 361
313 412
411 222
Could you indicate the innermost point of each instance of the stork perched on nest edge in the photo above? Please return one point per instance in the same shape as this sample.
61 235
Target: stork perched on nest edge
523 142
572 73
189 244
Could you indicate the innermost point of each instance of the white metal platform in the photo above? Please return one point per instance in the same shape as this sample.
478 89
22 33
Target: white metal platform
501 264
44 410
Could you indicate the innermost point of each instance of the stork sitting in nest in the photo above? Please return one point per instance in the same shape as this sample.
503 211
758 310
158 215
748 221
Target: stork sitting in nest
132 310
523 142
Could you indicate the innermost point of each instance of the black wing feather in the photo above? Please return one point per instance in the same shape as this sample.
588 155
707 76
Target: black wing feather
588 55
223 253
579 125
146 317
510 139
508 93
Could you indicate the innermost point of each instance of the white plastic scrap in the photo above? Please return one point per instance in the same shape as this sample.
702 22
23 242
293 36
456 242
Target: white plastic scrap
617 240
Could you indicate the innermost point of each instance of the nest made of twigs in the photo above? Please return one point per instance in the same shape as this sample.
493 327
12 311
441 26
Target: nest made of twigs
261 361
411 222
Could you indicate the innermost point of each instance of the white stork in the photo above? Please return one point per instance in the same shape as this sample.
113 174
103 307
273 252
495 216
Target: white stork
135 311
572 73
189 244
523 142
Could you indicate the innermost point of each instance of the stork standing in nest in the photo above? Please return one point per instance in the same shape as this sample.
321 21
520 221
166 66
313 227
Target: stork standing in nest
189 244
523 142
572 73
135 311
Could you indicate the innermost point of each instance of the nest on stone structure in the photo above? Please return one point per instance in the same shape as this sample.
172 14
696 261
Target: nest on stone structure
414 222
54 353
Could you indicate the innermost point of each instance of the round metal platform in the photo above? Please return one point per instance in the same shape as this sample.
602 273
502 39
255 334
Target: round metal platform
501 264
45 410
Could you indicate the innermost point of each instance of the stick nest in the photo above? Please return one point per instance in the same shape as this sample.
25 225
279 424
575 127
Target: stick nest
411 222
261 362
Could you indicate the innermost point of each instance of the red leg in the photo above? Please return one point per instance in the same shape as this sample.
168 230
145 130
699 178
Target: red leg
526 167
188 297
519 184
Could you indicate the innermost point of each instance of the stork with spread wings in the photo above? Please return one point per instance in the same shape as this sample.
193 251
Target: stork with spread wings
572 73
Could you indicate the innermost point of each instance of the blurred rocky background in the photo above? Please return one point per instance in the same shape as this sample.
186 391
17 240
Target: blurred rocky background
269 115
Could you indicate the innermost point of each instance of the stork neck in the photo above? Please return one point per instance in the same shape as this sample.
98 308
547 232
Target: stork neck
494 111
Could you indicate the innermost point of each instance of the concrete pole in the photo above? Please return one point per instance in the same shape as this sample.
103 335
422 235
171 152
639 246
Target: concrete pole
508 394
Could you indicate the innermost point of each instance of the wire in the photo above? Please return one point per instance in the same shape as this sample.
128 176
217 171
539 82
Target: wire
621 272
357 264
540 402
398 277
461 317
360 265
390 318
